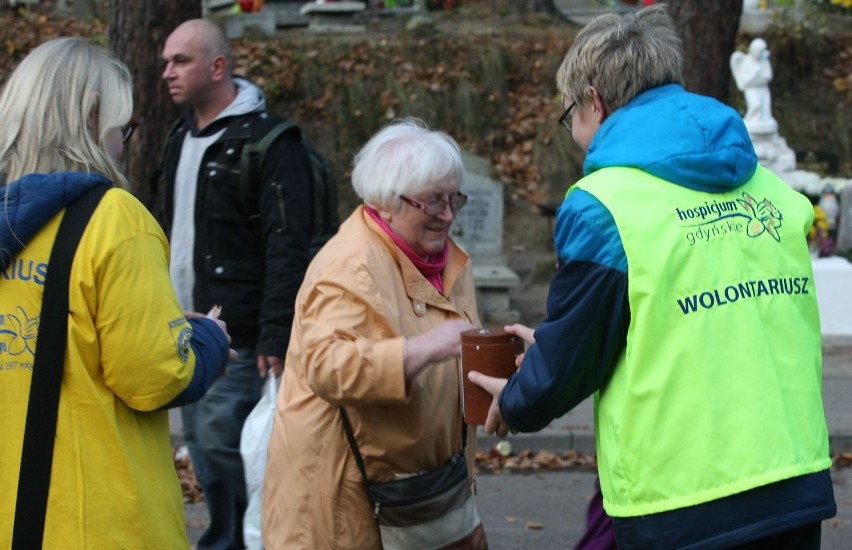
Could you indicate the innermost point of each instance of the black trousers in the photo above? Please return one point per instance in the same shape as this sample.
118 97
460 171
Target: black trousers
807 537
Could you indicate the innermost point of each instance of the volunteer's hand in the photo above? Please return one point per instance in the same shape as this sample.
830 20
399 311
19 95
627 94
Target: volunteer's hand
494 423
526 334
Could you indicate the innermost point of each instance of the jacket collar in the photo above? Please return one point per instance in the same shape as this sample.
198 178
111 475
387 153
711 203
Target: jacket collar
417 287
32 201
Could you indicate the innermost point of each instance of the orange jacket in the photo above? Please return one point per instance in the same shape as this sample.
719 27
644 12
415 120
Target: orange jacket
361 297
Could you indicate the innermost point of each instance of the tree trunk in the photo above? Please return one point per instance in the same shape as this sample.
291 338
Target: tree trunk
546 6
137 31
709 32
523 7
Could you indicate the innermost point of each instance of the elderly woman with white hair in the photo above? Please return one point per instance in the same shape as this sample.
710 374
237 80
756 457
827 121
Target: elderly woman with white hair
376 334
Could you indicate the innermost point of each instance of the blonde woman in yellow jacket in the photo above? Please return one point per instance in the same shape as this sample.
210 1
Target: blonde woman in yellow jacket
130 353
376 331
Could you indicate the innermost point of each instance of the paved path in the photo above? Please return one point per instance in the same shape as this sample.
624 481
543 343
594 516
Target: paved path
511 504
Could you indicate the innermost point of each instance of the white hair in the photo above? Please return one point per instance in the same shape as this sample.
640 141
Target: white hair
405 158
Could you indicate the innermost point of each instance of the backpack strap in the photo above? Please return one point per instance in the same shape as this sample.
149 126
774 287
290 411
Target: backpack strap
251 161
43 405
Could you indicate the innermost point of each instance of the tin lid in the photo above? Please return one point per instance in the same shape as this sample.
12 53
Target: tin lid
488 335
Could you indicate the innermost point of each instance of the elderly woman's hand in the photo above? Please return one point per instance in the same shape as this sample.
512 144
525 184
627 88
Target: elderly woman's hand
436 345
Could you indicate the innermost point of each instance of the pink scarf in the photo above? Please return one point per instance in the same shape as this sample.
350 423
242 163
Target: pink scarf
432 267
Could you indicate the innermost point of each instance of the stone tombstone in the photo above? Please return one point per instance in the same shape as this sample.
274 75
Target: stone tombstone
479 225
844 225
478 229
287 13
333 17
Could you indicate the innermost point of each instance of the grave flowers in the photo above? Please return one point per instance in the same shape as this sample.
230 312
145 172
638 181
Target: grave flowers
820 242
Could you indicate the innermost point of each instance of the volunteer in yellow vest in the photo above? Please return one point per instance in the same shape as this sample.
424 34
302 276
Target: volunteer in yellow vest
130 352
684 299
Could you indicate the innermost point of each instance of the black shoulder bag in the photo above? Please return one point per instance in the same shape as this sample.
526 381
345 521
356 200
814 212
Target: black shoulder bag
43 406
432 509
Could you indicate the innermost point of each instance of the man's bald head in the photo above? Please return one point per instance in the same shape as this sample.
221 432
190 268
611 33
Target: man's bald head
208 37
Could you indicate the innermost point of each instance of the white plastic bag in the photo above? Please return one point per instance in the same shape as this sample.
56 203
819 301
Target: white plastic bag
254 441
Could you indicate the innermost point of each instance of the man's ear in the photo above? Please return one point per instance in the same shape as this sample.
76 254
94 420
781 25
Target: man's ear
218 68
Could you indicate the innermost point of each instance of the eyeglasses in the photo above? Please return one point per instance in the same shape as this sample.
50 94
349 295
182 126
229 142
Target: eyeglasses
565 119
127 131
435 207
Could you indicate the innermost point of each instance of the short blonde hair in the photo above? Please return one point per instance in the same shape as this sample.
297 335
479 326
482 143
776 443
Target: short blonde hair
622 56
405 158
57 108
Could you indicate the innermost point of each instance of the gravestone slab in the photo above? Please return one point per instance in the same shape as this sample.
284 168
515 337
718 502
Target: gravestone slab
844 225
333 16
480 223
832 278
237 24
287 13
478 229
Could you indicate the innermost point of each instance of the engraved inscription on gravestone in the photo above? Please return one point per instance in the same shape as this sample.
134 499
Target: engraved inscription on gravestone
478 227
476 219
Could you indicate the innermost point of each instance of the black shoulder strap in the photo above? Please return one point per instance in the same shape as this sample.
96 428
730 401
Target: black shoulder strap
350 437
251 160
43 406
353 445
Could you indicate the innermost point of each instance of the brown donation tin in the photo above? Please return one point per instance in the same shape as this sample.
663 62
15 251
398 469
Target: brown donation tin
491 351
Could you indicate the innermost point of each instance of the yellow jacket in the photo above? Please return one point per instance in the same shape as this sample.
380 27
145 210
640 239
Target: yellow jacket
361 297
113 482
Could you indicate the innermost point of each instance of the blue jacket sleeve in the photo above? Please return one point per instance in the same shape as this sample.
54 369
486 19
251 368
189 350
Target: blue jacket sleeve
588 315
210 346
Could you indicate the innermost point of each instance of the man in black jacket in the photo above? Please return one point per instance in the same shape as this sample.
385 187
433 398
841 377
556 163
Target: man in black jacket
248 256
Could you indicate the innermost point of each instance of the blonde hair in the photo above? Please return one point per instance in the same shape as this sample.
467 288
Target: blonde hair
622 56
58 107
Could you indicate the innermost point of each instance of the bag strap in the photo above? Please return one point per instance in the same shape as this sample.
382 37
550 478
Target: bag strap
43 406
347 428
252 157
353 445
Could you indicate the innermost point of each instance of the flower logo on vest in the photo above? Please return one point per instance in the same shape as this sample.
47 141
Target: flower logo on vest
765 218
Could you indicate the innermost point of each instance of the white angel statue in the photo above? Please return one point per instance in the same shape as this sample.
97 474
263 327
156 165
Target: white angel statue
752 73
